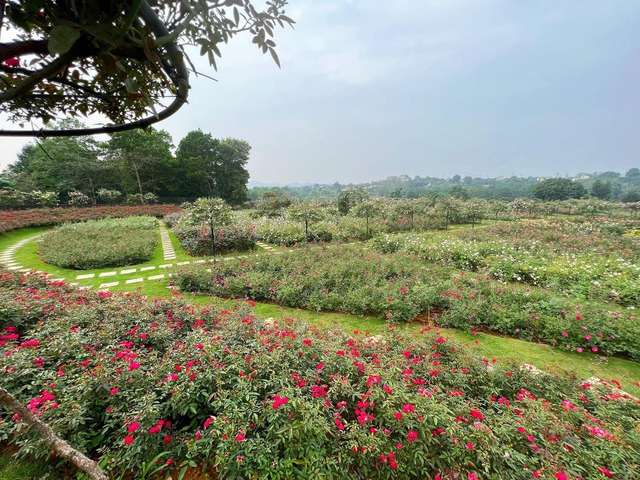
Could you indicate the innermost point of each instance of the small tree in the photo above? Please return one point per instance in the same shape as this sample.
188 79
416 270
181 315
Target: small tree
450 208
368 210
351 197
409 208
210 213
307 212
474 210
518 206
272 204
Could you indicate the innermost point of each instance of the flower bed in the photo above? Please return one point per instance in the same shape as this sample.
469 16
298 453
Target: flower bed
127 380
113 242
426 279
39 217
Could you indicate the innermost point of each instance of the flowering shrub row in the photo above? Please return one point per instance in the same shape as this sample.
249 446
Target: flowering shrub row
586 261
16 219
112 242
401 287
128 380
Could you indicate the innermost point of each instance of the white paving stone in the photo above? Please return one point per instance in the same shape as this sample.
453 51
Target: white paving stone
168 265
128 270
108 274
156 277
15 267
56 279
108 285
134 280
199 261
146 269
88 287
184 263
88 275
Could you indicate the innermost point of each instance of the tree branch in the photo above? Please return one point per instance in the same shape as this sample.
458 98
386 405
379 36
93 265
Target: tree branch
65 450
16 49
178 74
36 77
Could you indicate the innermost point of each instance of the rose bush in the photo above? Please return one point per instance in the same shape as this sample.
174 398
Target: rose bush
129 380
466 282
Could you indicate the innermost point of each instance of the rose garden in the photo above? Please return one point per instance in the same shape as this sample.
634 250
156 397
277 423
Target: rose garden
508 350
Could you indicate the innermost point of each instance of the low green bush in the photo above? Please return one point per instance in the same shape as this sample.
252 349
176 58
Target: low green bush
100 243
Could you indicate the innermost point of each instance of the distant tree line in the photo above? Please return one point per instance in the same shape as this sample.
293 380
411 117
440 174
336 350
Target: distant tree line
133 166
611 186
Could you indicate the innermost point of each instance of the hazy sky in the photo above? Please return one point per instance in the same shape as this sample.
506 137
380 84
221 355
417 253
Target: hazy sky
372 88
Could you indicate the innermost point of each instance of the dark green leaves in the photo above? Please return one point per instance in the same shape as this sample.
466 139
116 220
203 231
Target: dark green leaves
62 39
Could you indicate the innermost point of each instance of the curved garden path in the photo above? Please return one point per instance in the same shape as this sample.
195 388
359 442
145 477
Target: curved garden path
113 278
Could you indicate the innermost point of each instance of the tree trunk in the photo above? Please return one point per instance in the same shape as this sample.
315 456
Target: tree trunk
135 169
63 449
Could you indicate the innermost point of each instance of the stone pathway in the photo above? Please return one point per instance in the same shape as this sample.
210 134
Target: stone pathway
167 247
6 259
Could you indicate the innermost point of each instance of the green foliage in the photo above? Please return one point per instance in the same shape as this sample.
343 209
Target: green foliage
141 161
116 58
211 167
601 189
521 280
100 243
129 380
205 229
558 189
349 198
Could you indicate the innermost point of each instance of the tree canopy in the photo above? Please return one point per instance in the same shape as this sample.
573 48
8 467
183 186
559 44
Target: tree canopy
133 164
121 59
558 189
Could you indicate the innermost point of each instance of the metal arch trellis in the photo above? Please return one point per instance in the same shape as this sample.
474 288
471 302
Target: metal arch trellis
174 66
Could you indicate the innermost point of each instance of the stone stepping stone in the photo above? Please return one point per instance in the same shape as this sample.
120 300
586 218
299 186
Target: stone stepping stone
134 280
108 285
184 263
156 277
146 269
56 279
88 287
83 277
108 274
127 271
168 265
15 267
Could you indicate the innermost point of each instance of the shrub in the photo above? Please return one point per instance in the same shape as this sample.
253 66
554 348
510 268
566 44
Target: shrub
127 380
100 243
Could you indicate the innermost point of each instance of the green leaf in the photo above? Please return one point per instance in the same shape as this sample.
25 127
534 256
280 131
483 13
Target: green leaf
274 56
62 39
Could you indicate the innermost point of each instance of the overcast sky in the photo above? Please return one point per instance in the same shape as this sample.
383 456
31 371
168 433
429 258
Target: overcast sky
372 88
